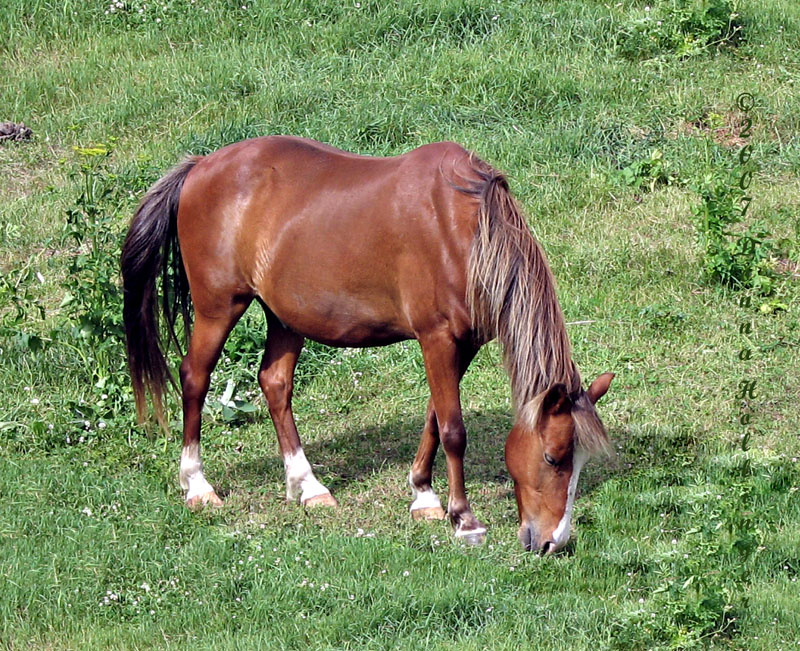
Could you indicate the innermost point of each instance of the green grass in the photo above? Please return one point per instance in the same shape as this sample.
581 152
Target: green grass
683 540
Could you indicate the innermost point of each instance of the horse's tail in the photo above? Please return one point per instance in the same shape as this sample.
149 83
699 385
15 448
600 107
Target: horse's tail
151 249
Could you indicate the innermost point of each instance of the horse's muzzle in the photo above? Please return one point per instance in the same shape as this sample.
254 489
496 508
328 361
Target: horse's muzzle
532 542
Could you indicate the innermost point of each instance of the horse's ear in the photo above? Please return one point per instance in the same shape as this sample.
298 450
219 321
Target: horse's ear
599 387
556 401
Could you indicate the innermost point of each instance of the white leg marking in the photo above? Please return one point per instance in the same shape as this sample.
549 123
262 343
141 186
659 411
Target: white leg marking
191 474
423 499
469 532
300 481
562 531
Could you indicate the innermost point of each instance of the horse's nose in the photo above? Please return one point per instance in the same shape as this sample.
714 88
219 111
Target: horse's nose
525 536
548 548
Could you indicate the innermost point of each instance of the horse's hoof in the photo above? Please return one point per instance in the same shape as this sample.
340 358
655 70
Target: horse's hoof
199 501
326 499
428 513
472 538
473 533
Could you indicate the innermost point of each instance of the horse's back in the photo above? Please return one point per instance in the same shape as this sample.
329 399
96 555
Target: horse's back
344 248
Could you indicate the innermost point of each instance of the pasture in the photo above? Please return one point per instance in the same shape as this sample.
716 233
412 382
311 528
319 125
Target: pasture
618 127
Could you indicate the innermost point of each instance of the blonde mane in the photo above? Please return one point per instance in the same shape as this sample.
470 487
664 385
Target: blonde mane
511 294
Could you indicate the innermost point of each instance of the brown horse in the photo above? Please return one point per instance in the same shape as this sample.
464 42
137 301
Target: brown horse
350 250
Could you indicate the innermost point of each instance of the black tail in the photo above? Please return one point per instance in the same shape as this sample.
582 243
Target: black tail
151 249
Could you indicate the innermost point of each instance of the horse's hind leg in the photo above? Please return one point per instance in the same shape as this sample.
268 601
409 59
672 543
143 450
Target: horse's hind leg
208 338
276 378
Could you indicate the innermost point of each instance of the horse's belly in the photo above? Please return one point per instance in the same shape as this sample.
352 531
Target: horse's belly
338 318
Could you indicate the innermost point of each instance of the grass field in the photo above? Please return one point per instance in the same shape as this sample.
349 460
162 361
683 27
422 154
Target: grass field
607 118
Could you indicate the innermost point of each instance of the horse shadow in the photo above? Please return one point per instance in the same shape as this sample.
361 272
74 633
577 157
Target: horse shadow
353 455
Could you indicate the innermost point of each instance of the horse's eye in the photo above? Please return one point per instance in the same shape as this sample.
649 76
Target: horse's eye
550 461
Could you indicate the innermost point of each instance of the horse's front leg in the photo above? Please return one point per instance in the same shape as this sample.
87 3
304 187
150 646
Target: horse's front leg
426 504
444 360
276 378
208 338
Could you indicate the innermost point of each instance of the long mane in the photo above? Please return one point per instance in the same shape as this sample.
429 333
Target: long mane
511 294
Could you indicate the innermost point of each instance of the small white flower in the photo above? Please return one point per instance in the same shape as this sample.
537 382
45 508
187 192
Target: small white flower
87 511
34 401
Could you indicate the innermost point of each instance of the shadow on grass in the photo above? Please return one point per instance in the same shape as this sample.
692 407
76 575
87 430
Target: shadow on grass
348 459
355 454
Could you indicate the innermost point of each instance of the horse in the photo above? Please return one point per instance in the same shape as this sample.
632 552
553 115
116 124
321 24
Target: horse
357 251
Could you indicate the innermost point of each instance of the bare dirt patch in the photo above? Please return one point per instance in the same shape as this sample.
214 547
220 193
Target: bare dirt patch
723 128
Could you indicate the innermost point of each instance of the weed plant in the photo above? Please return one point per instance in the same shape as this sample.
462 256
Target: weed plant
682 29
737 256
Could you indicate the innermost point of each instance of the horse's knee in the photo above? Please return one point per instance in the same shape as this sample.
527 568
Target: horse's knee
277 389
454 438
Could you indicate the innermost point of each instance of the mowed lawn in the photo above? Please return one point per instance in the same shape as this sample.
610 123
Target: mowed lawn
608 118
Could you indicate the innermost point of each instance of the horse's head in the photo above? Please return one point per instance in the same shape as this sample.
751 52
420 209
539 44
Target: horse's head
553 437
